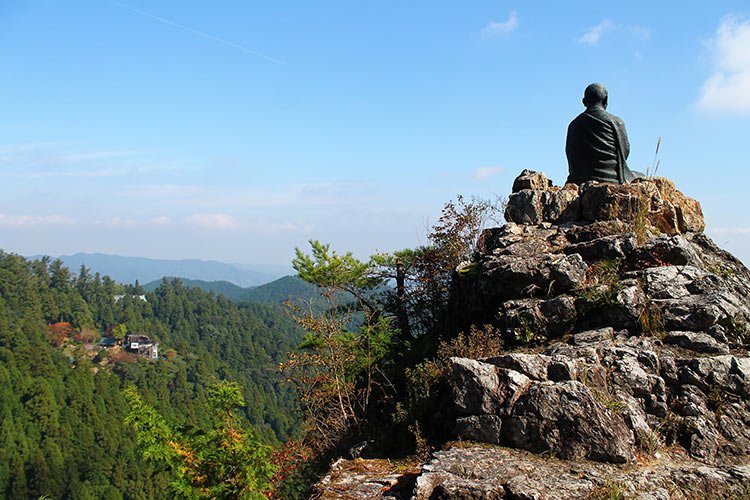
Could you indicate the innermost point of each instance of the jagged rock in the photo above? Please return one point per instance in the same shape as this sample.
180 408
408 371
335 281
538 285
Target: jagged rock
502 277
482 428
528 179
635 328
707 373
652 202
565 419
690 402
511 238
669 282
700 312
482 388
533 366
504 473
467 490
492 472
629 376
554 204
696 341
561 368
594 336
366 479
606 247
536 317
582 232
664 250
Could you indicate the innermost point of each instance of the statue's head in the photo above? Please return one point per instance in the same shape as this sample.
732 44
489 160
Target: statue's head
596 93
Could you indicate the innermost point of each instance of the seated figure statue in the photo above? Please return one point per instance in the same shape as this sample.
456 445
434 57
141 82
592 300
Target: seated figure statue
597 146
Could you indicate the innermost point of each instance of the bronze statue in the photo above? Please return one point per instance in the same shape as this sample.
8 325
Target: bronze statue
597 146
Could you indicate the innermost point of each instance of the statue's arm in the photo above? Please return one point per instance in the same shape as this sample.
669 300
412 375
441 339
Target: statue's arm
624 143
569 144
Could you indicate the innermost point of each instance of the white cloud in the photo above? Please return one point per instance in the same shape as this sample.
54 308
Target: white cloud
161 220
34 220
214 221
501 28
487 172
728 87
592 35
50 159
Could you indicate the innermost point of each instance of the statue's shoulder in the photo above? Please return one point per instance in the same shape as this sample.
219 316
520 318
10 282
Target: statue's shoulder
578 119
616 119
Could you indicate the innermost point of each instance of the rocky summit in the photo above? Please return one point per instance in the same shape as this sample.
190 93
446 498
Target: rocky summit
631 374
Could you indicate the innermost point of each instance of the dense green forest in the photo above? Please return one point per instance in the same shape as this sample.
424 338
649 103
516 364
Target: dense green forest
62 408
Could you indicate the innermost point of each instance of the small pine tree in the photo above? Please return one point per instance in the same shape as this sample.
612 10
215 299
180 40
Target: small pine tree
225 462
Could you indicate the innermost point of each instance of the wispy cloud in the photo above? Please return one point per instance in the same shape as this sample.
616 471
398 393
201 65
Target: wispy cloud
495 28
50 159
486 172
11 149
335 193
727 89
35 220
214 221
195 31
98 172
161 220
594 34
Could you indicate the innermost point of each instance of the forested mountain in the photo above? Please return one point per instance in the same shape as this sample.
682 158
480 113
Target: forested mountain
61 403
275 292
229 290
282 289
131 269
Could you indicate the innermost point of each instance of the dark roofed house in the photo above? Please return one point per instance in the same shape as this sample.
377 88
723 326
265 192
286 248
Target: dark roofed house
108 342
141 345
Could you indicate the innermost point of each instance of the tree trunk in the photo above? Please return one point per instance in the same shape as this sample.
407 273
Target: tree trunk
403 317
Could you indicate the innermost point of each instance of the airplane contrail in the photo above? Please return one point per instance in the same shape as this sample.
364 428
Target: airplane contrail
195 31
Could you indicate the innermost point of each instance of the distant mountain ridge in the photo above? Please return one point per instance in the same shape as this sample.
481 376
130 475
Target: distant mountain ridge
229 290
129 269
280 290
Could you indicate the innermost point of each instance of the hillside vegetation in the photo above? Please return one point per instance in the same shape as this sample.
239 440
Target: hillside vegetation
62 408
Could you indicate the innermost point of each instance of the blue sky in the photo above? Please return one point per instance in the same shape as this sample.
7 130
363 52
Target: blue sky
236 130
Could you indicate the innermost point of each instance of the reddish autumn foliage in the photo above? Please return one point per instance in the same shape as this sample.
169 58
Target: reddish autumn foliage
287 460
58 332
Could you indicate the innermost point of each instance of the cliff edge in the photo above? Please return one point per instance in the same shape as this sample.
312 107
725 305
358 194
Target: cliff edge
630 373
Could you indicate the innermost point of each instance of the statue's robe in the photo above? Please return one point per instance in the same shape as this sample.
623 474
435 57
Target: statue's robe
597 148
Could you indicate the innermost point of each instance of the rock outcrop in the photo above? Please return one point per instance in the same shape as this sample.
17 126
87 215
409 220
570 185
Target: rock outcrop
631 334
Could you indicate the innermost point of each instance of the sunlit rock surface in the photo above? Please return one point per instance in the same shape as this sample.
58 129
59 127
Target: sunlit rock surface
630 370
